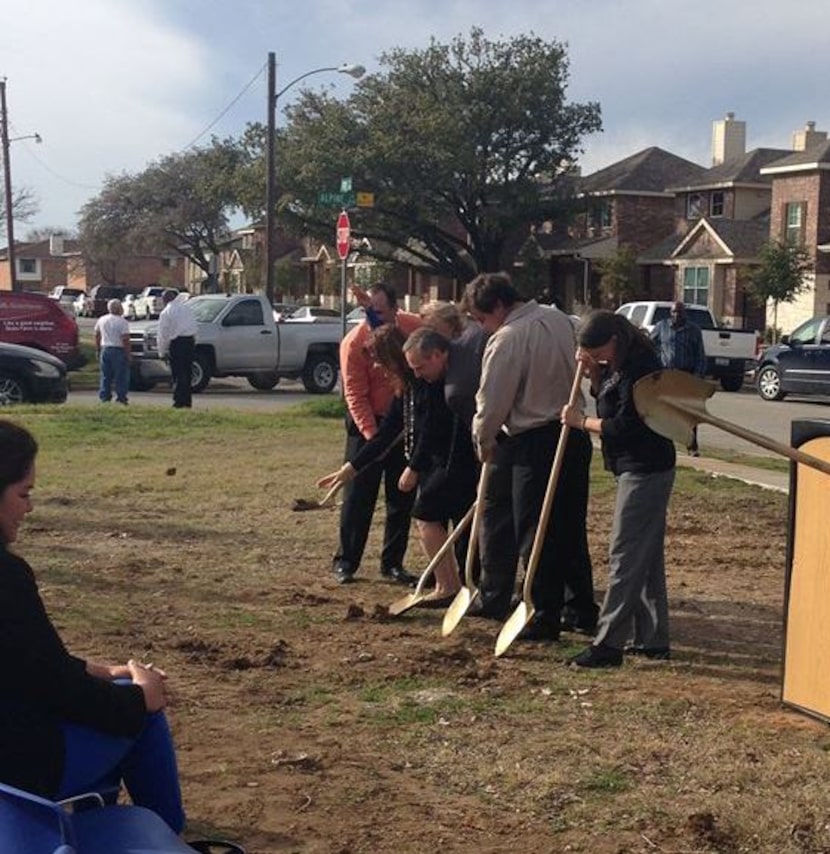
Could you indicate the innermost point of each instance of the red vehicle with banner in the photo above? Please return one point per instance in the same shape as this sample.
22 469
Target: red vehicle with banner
35 320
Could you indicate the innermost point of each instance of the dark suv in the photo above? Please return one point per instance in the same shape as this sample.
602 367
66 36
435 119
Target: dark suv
100 295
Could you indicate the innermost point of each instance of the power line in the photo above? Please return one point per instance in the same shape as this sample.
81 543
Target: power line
222 114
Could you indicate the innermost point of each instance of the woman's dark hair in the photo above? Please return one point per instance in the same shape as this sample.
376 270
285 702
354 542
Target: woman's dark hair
488 289
387 290
18 450
599 327
386 347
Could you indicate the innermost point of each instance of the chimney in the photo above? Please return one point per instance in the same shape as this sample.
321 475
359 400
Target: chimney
55 244
804 139
728 139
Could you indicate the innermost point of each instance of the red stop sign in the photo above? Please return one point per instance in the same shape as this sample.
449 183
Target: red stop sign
344 236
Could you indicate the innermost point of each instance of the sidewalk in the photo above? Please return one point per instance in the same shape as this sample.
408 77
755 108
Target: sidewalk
775 480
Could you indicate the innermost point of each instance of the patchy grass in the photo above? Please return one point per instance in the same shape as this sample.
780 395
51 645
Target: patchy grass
309 721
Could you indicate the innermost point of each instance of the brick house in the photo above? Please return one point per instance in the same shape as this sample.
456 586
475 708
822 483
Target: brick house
44 264
800 212
40 266
626 204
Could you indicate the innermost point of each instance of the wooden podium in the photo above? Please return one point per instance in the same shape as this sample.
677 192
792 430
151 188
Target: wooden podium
806 678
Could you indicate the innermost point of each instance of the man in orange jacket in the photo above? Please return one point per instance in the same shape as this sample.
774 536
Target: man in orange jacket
368 396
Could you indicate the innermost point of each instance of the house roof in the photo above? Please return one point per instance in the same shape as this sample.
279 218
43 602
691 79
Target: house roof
557 244
813 158
744 170
649 171
41 249
740 238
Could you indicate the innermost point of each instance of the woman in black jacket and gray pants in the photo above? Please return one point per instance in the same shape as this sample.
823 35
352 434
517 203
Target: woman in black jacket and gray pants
69 726
615 354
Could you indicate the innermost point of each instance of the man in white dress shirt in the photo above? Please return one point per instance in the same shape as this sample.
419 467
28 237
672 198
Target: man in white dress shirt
177 341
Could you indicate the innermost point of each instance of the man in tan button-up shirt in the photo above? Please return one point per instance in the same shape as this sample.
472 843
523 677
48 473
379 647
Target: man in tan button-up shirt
527 373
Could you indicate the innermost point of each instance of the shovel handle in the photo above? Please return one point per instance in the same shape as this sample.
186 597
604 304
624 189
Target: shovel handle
756 438
469 563
550 491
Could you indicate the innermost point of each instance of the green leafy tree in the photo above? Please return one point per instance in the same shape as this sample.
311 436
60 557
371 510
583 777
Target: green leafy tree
179 203
780 276
619 276
459 143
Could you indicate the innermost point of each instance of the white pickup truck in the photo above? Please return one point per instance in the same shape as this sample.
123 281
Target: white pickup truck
238 336
730 353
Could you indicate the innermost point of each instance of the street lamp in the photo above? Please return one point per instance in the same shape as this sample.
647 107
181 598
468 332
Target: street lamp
7 180
355 71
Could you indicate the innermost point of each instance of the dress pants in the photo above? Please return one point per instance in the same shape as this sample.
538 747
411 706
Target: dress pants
181 366
636 604
359 498
512 507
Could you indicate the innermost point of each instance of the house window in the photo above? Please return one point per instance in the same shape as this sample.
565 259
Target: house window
27 265
794 215
606 215
696 285
167 263
716 203
695 206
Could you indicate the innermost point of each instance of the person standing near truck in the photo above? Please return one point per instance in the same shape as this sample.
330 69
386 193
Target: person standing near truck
177 340
680 346
112 346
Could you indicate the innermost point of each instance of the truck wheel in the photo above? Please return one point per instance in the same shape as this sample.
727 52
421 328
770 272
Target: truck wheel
263 380
732 382
320 373
200 373
769 383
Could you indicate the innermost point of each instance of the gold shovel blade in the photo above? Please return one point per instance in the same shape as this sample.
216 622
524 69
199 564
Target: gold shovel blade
514 626
402 605
672 403
458 608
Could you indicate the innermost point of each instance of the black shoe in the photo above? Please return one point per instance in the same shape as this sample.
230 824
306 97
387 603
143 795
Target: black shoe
490 611
539 629
598 655
343 575
573 621
655 653
399 574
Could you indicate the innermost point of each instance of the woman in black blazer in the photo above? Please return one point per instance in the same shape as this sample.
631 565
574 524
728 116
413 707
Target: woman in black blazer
69 726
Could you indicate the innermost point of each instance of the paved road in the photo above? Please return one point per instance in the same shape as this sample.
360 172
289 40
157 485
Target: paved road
232 393
747 410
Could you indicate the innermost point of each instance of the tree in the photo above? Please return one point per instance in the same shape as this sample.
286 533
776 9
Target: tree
459 144
24 207
780 277
619 275
181 203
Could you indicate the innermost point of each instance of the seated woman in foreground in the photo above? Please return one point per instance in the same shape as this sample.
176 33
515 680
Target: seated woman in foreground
69 726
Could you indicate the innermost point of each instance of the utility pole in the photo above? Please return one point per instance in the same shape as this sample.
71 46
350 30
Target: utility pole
271 179
7 182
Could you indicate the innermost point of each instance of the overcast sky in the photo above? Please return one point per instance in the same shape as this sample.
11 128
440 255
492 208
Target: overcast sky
112 84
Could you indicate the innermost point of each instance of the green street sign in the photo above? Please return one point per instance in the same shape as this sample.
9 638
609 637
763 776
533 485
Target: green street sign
336 200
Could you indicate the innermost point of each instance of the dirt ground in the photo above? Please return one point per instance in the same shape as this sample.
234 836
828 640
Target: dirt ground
309 721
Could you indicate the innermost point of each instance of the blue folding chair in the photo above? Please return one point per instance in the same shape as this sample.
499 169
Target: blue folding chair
30 824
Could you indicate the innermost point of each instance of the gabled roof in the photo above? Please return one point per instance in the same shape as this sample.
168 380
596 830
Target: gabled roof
41 249
814 158
739 239
647 172
744 170
558 244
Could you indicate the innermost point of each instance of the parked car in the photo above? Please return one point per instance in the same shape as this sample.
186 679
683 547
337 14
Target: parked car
149 303
314 313
80 303
66 297
35 320
128 303
100 295
798 364
30 376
